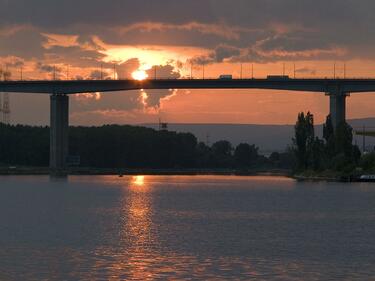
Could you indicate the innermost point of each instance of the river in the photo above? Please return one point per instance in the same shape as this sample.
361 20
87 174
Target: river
185 228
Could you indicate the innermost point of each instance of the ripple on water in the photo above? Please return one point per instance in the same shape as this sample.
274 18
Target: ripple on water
185 228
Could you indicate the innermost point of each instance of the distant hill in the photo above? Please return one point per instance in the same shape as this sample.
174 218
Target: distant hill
268 138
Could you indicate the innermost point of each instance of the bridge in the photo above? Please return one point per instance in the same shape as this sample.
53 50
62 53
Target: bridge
336 89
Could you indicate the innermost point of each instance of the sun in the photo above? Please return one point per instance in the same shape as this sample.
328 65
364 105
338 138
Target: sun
139 75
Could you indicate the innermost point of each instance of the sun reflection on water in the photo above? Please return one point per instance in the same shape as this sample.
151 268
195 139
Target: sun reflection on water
138 180
139 232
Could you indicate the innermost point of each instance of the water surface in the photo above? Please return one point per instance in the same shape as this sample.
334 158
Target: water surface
185 228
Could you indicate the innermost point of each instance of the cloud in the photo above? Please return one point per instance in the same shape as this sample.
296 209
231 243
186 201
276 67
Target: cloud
99 74
12 62
149 101
221 30
220 54
39 34
125 70
60 40
163 72
264 52
261 30
86 97
306 70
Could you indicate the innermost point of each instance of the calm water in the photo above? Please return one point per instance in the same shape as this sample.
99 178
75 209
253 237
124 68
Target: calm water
185 228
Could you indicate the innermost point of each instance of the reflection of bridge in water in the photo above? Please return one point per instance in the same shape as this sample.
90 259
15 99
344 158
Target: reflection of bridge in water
336 89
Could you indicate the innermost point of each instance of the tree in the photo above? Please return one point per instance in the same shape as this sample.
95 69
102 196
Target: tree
222 154
328 131
337 152
343 144
329 137
304 139
317 159
246 155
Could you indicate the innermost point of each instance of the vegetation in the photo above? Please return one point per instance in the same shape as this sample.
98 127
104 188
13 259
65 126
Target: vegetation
138 147
133 147
335 152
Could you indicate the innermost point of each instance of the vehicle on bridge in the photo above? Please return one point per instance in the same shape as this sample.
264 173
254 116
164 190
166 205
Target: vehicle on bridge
278 77
225 77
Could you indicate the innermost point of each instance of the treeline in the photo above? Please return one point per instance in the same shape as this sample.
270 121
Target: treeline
114 146
334 152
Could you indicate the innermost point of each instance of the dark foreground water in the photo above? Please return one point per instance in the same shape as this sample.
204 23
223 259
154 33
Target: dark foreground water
185 228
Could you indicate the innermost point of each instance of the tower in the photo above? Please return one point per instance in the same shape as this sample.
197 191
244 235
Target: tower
163 126
1 107
6 108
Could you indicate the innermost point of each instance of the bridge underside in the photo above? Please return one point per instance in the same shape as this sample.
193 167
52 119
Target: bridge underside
59 127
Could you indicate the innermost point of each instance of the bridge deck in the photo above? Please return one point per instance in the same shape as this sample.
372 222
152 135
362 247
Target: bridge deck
87 86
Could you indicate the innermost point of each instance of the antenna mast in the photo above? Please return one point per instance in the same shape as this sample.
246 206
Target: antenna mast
5 104
6 108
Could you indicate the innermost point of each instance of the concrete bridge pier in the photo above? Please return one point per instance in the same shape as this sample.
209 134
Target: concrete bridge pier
337 108
59 134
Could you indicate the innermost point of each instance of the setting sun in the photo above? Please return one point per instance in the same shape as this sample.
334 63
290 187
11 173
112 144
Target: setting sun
139 75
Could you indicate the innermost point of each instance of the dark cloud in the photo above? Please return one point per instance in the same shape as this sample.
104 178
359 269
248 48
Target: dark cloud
235 30
21 41
255 28
220 54
48 68
74 56
125 70
59 14
99 74
163 72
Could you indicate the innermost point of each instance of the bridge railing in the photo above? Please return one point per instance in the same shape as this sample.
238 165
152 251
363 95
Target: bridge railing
194 78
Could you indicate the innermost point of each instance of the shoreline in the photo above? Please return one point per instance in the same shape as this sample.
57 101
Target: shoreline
44 171
30 171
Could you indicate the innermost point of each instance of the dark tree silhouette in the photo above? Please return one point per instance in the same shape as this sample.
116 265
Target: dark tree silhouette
246 155
304 139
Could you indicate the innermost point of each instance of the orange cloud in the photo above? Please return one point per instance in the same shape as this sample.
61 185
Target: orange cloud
60 40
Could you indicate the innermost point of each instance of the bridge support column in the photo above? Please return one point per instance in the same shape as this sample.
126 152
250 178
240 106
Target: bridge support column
337 108
59 134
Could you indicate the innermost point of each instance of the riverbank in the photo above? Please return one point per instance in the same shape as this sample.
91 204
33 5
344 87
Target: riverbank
96 171
328 176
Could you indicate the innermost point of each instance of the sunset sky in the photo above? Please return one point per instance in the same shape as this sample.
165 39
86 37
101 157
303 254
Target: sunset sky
129 39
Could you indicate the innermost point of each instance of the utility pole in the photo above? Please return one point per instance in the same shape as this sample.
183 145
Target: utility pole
344 70
191 71
54 72
203 71
252 71
284 69
294 70
241 72
154 72
334 70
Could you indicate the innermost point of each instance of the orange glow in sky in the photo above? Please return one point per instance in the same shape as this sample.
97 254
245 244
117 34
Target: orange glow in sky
139 75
